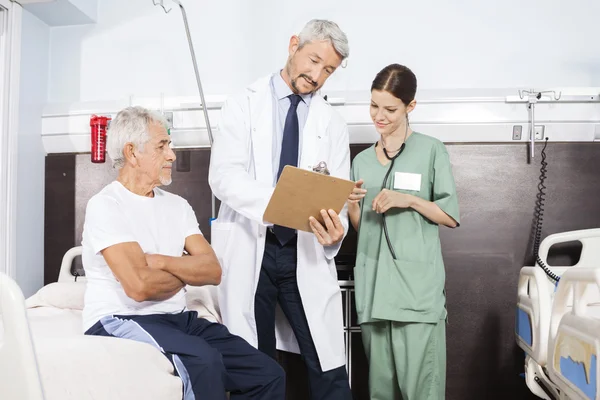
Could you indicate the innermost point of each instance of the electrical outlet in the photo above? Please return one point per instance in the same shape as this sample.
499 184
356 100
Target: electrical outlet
517 132
539 132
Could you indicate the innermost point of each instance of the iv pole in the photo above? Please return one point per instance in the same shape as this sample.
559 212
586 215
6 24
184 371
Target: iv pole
200 91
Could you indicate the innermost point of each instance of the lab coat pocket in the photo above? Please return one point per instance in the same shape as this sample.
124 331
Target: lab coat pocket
220 233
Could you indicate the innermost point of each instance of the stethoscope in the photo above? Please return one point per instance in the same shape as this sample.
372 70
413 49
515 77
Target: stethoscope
384 185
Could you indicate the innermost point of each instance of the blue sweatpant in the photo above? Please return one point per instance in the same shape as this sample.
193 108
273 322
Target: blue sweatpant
209 360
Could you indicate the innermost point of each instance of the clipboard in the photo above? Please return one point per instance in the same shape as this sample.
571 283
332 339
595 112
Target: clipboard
301 193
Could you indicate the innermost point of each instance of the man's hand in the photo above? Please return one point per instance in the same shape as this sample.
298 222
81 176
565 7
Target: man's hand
155 261
197 266
333 231
129 265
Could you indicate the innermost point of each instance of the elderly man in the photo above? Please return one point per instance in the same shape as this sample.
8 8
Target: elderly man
133 240
280 289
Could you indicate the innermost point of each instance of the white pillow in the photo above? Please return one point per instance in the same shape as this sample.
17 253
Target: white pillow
64 295
69 295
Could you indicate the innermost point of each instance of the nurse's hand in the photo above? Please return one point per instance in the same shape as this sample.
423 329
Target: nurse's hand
387 199
357 193
333 231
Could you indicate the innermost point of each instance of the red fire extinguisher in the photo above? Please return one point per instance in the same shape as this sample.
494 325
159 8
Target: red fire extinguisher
99 125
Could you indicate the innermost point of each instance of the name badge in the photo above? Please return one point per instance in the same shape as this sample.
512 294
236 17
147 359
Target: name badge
407 181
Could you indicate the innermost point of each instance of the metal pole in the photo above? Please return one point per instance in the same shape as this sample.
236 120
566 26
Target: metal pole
532 130
200 91
193 54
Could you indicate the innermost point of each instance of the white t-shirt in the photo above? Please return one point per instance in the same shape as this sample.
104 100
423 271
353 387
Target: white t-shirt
160 225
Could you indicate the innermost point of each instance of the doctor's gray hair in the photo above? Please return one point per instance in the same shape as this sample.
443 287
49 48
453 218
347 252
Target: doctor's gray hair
130 126
319 29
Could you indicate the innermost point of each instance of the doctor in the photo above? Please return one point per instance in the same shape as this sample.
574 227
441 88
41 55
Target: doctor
281 120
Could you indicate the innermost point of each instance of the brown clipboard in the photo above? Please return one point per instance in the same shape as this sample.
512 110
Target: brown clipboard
300 193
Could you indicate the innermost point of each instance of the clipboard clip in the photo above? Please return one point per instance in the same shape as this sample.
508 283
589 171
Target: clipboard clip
321 168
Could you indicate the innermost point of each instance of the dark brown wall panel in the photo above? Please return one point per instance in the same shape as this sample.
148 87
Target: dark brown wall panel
59 212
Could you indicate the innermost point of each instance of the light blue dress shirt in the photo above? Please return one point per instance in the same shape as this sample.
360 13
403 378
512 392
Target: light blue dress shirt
281 105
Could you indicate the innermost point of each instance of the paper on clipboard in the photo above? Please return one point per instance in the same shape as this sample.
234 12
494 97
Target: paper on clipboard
300 194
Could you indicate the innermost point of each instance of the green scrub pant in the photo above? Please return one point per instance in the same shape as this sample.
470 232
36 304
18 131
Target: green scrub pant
407 361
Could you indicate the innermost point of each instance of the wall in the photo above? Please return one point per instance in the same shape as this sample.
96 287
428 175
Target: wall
135 49
35 44
466 58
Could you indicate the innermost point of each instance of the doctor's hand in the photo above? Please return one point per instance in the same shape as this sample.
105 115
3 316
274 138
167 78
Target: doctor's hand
387 199
333 231
357 193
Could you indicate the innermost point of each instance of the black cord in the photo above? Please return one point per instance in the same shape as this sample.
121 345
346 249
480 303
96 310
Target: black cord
539 216
385 229
383 186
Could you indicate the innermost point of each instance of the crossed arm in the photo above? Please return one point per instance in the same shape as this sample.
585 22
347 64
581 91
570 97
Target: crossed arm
159 277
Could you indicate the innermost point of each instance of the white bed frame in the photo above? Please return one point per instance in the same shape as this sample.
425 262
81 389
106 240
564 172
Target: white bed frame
537 302
575 331
19 375
19 372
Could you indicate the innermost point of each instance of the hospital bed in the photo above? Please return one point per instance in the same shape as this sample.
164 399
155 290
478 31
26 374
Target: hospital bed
558 325
44 354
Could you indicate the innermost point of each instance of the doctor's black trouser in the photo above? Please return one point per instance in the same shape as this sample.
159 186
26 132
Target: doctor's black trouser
277 283
209 360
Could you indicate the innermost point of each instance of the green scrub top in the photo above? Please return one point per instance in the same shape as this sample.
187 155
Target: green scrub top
411 287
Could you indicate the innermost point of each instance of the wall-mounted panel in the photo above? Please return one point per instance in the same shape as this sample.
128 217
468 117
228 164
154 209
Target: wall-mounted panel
458 118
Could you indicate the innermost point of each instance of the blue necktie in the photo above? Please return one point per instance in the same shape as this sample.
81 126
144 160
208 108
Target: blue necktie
289 156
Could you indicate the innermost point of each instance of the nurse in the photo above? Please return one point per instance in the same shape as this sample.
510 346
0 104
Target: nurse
404 191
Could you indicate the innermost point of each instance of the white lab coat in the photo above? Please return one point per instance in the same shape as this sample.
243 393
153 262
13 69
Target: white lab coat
241 176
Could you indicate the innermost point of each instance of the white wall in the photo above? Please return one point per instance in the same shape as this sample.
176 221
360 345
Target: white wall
135 49
35 56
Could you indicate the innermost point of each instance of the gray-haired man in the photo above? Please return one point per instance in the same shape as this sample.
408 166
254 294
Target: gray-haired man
134 236
277 121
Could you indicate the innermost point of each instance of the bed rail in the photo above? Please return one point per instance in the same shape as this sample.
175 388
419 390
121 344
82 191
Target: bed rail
19 373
